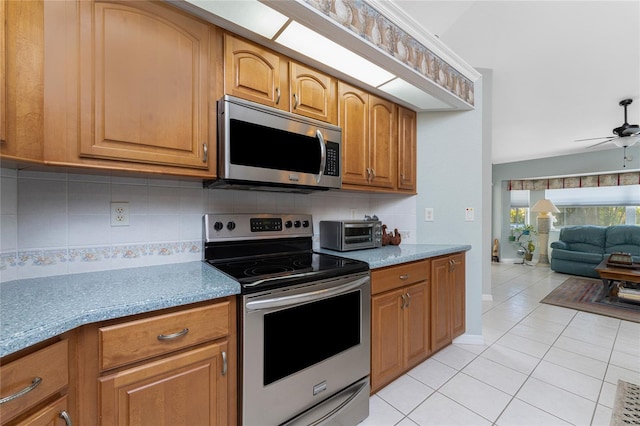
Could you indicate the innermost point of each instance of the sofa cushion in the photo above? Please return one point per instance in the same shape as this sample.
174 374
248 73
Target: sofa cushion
623 238
586 238
577 256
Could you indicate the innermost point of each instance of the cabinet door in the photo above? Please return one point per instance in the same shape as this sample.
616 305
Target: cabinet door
416 324
185 389
21 80
144 84
3 100
255 73
386 338
313 93
440 304
406 149
51 415
354 120
458 294
382 142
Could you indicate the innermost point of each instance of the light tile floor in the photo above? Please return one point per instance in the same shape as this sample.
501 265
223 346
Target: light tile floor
540 365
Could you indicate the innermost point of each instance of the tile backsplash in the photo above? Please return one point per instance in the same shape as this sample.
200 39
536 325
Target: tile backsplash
54 223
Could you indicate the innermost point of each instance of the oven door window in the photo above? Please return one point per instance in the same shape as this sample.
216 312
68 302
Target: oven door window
299 337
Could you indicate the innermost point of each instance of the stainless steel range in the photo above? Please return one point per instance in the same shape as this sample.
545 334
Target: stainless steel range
304 321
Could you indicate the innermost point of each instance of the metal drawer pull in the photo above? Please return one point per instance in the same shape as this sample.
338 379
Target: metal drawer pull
173 335
34 384
224 363
404 277
65 416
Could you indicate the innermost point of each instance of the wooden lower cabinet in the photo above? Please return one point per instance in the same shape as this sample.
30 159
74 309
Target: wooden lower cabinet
177 367
54 414
400 320
447 299
185 389
30 382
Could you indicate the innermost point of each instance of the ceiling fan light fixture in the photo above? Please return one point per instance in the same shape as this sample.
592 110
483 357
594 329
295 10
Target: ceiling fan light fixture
627 141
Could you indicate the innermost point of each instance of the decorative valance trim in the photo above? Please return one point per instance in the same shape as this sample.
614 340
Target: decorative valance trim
612 179
369 24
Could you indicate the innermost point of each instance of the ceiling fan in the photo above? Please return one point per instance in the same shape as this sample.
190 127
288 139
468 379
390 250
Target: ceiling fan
625 136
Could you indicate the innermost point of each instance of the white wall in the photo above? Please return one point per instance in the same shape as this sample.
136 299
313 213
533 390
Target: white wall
55 223
453 174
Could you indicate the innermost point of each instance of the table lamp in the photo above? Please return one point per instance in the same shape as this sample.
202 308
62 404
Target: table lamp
544 208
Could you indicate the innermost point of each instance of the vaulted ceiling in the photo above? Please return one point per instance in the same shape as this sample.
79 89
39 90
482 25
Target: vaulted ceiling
559 68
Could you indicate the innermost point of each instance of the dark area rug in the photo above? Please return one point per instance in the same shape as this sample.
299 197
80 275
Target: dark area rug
585 294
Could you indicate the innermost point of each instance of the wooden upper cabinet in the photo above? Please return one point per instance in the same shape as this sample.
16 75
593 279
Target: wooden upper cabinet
369 137
382 142
313 94
407 143
145 69
3 100
128 87
260 75
354 120
21 80
255 73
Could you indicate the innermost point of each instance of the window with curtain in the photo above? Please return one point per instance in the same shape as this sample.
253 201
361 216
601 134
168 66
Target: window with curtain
604 205
519 211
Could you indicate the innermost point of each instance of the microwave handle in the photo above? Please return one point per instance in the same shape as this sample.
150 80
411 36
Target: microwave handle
323 155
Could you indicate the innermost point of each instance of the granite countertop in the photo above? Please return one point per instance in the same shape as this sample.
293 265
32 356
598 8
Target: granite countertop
392 255
33 310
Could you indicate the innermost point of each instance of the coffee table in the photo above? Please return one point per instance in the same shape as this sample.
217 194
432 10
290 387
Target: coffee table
612 274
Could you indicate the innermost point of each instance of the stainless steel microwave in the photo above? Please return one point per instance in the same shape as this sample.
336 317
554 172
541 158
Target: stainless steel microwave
260 147
345 235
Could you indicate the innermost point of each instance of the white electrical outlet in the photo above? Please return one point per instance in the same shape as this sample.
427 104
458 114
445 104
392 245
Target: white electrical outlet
428 214
120 214
354 212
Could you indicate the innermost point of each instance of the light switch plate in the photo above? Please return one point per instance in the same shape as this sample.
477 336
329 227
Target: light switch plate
428 214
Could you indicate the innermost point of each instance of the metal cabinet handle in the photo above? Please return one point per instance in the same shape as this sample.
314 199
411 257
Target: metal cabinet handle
408 299
224 363
404 277
277 95
173 335
404 301
34 384
205 153
295 101
373 174
65 416
369 170
323 155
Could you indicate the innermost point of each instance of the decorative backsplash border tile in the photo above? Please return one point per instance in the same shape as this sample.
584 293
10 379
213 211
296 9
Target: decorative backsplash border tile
366 22
41 263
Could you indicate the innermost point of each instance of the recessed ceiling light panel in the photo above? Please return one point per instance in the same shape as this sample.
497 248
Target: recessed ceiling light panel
303 40
415 96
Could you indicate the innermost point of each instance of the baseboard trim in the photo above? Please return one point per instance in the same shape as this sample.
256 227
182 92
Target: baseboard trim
469 339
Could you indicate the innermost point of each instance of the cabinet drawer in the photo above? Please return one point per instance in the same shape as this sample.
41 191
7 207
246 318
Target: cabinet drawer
45 372
399 276
145 338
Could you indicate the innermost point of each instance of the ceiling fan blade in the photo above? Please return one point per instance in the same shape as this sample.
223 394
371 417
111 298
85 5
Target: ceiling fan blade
608 138
600 143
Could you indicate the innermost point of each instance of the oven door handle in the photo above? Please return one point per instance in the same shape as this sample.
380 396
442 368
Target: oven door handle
277 302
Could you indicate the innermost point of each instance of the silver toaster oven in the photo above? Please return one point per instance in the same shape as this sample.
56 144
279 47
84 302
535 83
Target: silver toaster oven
345 235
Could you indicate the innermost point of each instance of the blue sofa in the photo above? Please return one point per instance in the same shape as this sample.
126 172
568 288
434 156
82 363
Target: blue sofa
581 248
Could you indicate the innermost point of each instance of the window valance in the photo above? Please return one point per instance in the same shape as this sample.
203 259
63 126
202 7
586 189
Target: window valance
612 179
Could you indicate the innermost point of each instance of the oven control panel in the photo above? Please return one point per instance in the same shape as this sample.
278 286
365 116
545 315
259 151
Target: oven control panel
256 226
